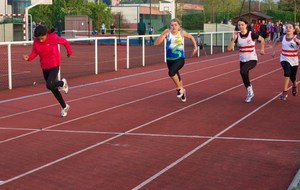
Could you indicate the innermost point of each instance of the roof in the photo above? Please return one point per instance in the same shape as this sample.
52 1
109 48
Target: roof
154 11
257 14
195 7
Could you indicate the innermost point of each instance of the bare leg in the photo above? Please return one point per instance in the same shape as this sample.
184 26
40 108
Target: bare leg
286 83
178 83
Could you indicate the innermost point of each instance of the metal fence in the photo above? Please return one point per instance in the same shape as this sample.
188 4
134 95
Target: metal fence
96 55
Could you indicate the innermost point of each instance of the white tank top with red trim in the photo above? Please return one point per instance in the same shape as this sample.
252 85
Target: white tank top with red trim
289 51
247 48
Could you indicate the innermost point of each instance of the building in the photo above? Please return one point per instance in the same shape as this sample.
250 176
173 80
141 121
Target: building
155 14
252 17
134 12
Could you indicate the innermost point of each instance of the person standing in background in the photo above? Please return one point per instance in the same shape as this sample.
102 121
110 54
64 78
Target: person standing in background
103 28
112 28
141 29
150 31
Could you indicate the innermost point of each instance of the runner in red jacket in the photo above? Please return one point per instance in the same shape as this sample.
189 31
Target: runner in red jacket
45 45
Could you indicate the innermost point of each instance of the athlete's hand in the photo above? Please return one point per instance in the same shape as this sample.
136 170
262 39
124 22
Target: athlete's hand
166 31
262 52
194 51
235 35
25 57
296 40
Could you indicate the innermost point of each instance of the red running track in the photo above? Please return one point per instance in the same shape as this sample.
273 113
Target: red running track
127 130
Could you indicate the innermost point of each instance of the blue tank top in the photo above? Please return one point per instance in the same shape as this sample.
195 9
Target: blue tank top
174 46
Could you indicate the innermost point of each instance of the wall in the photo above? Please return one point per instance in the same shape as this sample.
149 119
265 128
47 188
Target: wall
77 25
6 34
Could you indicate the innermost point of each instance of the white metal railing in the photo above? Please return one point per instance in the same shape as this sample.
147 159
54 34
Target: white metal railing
205 34
208 38
91 39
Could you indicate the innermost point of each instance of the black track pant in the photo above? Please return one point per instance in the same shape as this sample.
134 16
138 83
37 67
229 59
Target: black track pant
245 67
174 66
289 71
52 84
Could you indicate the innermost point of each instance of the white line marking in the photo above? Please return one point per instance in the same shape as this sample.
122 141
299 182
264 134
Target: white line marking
114 107
153 135
120 78
115 90
111 91
141 126
201 145
16 73
111 108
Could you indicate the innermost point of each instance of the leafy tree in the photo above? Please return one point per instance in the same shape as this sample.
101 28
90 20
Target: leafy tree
53 15
291 6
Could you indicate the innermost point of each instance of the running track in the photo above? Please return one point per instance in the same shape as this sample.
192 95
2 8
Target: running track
127 130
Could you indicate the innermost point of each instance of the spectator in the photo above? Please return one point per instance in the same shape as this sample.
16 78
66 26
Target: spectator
112 28
141 28
263 30
103 28
151 31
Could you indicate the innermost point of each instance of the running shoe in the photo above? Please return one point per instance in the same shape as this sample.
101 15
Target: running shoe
283 95
64 111
180 92
250 94
294 90
65 87
183 97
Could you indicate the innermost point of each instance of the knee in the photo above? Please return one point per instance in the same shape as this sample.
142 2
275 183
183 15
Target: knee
243 72
50 85
287 73
171 73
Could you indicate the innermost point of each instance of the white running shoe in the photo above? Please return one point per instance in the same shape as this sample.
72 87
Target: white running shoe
64 111
65 87
180 92
250 94
183 97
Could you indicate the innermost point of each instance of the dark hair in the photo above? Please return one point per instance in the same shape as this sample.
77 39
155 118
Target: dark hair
293 24
40 30
243 20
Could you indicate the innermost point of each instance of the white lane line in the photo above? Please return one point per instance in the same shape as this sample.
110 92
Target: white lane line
141 126
154 135
16 73
201 146
110 91
101 111
119 78
121 105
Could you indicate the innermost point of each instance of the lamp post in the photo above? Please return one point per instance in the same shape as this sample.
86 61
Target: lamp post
150 13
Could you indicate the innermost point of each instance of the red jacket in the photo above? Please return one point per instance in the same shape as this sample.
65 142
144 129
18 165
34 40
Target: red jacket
48 50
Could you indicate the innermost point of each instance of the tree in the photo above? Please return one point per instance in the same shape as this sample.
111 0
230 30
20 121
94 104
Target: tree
53 14
290 5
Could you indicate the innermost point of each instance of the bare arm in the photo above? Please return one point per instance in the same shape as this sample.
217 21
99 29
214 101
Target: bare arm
161 38
187 35
262 42
232 43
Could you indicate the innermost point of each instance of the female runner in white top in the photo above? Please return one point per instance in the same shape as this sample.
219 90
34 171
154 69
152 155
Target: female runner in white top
289 59
248 59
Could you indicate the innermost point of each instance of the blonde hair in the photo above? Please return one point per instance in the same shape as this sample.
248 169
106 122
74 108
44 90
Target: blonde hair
176 20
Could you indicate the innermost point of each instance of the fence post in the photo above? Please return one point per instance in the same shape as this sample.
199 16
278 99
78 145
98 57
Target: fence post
9 66
116 54
127 53
96 56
